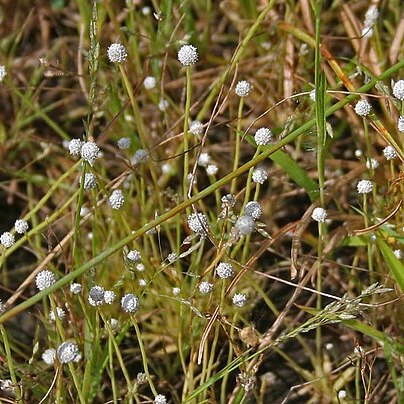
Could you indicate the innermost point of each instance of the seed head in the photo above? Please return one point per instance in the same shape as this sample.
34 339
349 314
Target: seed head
188 55
76 288
205 287
49 356
176 291
7 239
364 186
239 299
196 128
319 215
90 181
142 283
160 399
96 295
342 394
253 209
21 226
60 313
123 143
198 223
243 88
228 201
259 175
163 104
204 159
134 256
212 169
362 108
224 270
398 90
116 199
45 279
89 152
263 136
130 303
109 296
245 225
3 73
75 146
371 16
117 53
390 152
372 164
149 83
68 352
139 157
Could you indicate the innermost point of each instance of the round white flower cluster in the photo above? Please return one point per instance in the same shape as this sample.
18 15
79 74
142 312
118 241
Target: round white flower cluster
228 201
364 186
398 253
205 287
372 164
398 90
390 153
149 82
212 169
123 143
319 215
60 313
109 296
21 226
253 209
204 159
130 303
263 136
259 175
160 399
75 146
363 108
224 270
239 299
243 88
140 157
68 352
7 239
76 288
188 55
89 152
196 128
90 181
134 256
45 279
96 295
176 291
245 225
49 356
117 53
198 223
116 200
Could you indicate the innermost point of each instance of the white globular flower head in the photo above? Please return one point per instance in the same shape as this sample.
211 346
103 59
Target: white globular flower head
398 253
224 270
3 72
75 146
142 283
204 159
390 153
123 143
228 201
163 104
196 128
149 83
134 256
363 108
205 287
90 181
398 90
140 267
312 95
400 123
188 55
76 288
139 157
130 303
239 299
160 399
245 225
364 186
372 164
176 291
21 226
116 200
45 279
259 175
109 296
96 295
253 209
68 352
49 356
89 152
371 16
117 53
319 215
212 169
263 136
342 394
7 239
60 313
243 88
198 223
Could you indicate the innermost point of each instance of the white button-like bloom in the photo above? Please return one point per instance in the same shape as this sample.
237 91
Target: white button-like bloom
259 175
372 163
390 152
7 239
204 159
117 53
149 82
109 296
90 181
123 143
342 394
134 256
263 136
116 200
198 223
89 152
363 107
60 313
253 209
400 123
163 104
76 288
176 291
140 157
160 399
96 295
49 356
398 90
140 267
228 201
212 169
68 352
45 279
224 270
130 303
364 186
75 146
172 257
239 299
319 215
243 88
205 287
367 32
142 283
398 253
3 72
21 226
188 55
196 128
312 95
245 225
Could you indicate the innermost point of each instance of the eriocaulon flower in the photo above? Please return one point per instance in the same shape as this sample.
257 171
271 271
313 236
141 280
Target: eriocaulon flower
130 303
21 226
68 352
224 270
205 287
74 146
259 175
364 186
123 143
7 239
90 181
134 256
49 356
243 88
116 200
239 299
319 215
253 209
263 136
160 399
188 55
363 108
117 53
400 123
196 128
398 90
45 279
245 225
390 152
149 83
89 152
2 72
198 223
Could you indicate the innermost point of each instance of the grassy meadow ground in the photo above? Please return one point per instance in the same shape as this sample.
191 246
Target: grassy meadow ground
208 198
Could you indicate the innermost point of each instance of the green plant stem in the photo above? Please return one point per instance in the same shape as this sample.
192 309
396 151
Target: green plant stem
185 134
236 158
